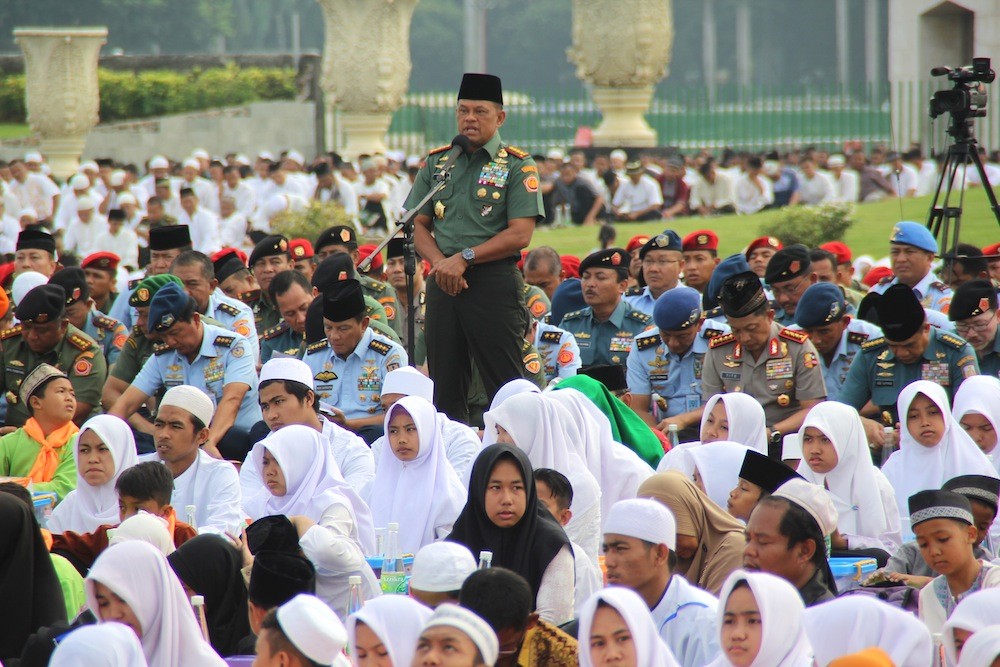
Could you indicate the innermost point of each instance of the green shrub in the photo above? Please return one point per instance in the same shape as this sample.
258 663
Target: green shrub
309 222
812 225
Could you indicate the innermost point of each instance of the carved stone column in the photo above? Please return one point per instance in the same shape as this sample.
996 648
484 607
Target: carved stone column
61 89
622 49
366 67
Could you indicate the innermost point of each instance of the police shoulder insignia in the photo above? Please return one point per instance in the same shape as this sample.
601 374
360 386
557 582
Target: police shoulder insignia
875 343
224 341
551 337
639 316
952 341
645 342
10 333
160 348
319 345
634 290
380 347
574 314
439 149
856 337
80 342
794 335
519 153
275 331
229 309
719 341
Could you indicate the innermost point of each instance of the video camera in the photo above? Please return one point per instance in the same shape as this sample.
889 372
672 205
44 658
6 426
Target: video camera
967 99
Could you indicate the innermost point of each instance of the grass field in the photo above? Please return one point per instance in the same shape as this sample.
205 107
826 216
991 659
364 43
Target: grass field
13 131
869 235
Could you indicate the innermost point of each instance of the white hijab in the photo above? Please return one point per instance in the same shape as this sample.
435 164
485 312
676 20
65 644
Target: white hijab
396 620
139 574
914 467
853 482
87 507
512 388
312 481
422 495
982 648
650 649
976 612
851 624
980 394
719 465
101 645
617 468
783 641
144 527
747 426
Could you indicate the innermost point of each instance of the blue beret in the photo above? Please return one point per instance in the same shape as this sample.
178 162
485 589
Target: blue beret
167 307
914 234
668 239
728 267
678 308
821 304
567 298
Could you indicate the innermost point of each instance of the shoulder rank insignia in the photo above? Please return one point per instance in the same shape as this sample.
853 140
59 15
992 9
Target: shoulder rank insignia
439 149
224 341
711 333
719 341
79 342
519 153
380 347
635 290
160 348
104 322
856 337
551 337
952 341
794 335
938 285
713 313
318 345
874 343
646 342
574 314
252 295
229 309
639 316
886 280
275 331
10 333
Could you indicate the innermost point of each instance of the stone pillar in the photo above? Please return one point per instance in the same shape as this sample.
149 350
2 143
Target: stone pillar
61 90
366 67
622 49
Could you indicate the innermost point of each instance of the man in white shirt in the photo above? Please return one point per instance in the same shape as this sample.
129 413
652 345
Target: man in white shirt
280 184
159 168
753 191
712 193
814 187
845 181
32 190
233 225
331 187
243 196
203 223
83 231
10 227
902 176
638 197
927 174
119 239
77 187
639 542
208 194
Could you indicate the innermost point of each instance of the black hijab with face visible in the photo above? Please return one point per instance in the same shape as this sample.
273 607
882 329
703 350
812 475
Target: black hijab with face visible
526 547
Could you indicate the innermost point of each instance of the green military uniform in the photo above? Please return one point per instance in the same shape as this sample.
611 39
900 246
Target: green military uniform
479 402
135 352
265 313
786 373
281 339
418 324
385 295
537 301
77 354
608 342
877 376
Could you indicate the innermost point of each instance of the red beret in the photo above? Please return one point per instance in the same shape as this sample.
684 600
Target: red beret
993 249
637 242
228 251
6 272
876 274
839 249
763 242
300 249
520 262
571 265
703 239
367 249
101 260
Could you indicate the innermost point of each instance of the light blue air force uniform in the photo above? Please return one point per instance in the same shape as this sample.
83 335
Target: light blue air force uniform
932 293
560 353
855 335
225 357
354 384
235 316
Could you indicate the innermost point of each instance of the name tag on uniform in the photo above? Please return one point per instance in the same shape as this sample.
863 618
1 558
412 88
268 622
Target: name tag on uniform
778 369
729 375
622 342
658 377
936 372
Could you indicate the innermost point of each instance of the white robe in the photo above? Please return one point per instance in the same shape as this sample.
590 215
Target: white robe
461 446
685 617
213 487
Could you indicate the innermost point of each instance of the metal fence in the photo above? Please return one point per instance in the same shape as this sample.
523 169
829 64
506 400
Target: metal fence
752 118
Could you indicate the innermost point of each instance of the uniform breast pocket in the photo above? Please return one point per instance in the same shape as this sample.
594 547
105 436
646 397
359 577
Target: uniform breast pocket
489 200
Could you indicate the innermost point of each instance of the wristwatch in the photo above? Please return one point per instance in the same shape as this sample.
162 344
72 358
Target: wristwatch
469 255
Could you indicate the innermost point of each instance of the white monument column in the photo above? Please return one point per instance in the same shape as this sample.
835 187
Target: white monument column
60 91
622 49
366 67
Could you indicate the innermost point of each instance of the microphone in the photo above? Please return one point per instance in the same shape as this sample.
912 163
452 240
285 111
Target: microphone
460 144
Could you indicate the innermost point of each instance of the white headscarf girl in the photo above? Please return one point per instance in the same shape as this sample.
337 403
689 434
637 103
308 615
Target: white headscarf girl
512 388
973 614
747 426
983 648
101 645
718 465
139 574
396 621
88 507
980 394
865 501
424 495
650 650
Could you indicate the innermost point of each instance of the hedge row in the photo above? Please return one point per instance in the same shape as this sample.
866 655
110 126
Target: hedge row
131 95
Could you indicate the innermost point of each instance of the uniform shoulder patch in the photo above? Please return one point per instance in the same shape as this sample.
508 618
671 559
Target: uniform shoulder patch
712 333
380 347
10 333
575 314
105 322
318 345
224 341
275 331
646 342
719 341
938 285
952 341
875 343
252 295
856 337
439 149
519 153
639 316
79 342
160 348
551 337
794 335
229 309
634 290
713 313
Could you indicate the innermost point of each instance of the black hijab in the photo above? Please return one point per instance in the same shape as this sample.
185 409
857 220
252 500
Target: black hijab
210 566
527 547
29 588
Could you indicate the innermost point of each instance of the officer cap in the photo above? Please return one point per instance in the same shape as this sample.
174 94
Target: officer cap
992 250
611 376
227 265
612 258
571 265
703 239
763 242
899 313
167 307
666 240
972 298
787 264
727 268
742 294
914 234
343 301
765 472
106 261
365 251
838 249
821 304
300 249
147 288
274 245
74 281
395 248
169 237
42 304
332 270
676 309
38 239
116 214
41 374
338 235
637 241
481 87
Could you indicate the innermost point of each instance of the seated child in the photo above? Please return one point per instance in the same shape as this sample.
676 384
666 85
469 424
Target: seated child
759 477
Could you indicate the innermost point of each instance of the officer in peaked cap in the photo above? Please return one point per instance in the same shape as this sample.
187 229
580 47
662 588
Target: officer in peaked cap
661 261
974 312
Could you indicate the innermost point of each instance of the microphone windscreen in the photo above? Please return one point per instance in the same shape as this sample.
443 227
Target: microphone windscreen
462 142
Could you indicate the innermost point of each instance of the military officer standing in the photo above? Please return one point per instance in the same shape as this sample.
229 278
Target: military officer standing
209 357
775 365
101 269
349 365
268 259
838 337
974 312
109 334
667 363
912 249
789 274
661 260
46 336
604 329
481 220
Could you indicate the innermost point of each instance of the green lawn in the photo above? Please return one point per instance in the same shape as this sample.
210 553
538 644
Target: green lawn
869 235
13 131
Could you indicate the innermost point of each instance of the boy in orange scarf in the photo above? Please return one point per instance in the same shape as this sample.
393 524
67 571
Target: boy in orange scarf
37 451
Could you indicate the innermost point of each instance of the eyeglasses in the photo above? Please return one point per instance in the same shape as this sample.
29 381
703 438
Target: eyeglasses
660 262
789 289
980 327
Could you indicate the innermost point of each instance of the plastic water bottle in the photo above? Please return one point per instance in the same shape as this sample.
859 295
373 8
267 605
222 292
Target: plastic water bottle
198 603
890 443
191 511
393 579
355 599
485 560
673 435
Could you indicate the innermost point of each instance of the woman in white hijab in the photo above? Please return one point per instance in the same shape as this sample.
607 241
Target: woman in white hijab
977 410
391 625
760 623
101 645
545 431
717 468
103 449
973 614
132 583
603 617
851 624
943 449
836 456
512 388
144 527
618 469
983 649
421 492
734 417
